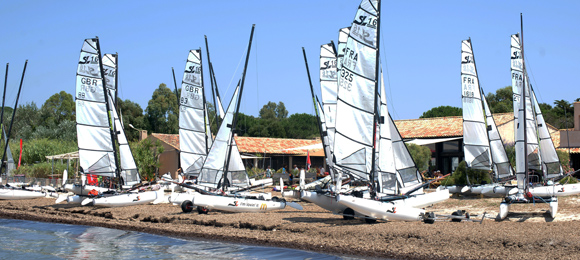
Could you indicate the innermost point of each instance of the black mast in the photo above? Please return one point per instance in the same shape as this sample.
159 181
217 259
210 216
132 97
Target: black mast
111 120
235 122
203 95
175 84
375 117
212 80
524 106
13 114
322 134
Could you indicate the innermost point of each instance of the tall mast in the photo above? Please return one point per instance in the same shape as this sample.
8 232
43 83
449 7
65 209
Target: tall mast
111 120
13 114
3 99
375 117
212 80
116 81
203 96
235 122
175 84
314 102
524 88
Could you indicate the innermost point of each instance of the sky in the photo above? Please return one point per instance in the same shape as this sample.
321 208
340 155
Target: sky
420 47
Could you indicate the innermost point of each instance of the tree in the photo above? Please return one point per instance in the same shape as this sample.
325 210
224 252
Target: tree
303 126
132 113
502 101
146 154
268 111
26 121
162 113
421 155
441 111
273 111
57 108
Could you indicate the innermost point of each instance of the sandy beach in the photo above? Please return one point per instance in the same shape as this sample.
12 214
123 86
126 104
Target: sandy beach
528 233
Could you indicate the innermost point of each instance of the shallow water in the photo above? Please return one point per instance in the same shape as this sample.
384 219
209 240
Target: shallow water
22 239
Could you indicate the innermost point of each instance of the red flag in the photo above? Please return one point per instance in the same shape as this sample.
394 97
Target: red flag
307 160
20 157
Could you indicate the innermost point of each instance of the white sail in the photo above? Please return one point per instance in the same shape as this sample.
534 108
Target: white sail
192 129
501 163
212 172
551 166
328 88
353 142
110 71
128 168
406 168
96 154
475 140
342 37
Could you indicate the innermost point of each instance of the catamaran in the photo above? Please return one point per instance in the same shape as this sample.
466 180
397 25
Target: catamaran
482 144
530 128
98 127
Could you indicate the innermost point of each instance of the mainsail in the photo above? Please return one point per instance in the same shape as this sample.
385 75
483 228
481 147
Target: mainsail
354 140
328 87
518 75
192 129
95 140
387 176
212 172
475 139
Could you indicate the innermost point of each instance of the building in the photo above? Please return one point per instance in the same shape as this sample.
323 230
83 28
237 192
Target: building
443 136
570 139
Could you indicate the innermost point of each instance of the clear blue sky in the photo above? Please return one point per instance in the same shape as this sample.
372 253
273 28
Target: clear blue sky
420 46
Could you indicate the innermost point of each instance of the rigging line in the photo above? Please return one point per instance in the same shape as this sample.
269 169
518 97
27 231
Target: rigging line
528 67
233 75
390 96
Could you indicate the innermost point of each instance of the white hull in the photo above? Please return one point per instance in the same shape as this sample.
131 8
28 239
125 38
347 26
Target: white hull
381 210
504 208
553 208
496 191
83 190
233 204
453 189
425 200
324 201
129 199
294 194
178 198
556 190
14 194
264 182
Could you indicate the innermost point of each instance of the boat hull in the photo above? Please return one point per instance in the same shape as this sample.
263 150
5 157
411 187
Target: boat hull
556 190
236 204
83 190
129 199
425 200
16 194
324 201
381 210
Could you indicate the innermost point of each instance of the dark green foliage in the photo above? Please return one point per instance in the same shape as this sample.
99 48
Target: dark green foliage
421 155
442 111
146 157
502 101
162 113
475 176
132 113
301 126
57 108
564 160
273 111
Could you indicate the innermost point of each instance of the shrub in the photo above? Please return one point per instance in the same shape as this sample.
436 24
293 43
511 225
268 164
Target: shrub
475 176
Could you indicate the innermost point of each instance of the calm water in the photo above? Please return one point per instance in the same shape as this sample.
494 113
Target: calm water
21 239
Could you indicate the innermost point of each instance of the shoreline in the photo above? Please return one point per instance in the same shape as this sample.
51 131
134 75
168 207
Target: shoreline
526 234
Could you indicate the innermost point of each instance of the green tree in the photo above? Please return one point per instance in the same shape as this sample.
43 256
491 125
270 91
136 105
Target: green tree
502 101
146 154
421 155
162 113
27 119
57 108
302 126
281 111
268 111
132 113
442 111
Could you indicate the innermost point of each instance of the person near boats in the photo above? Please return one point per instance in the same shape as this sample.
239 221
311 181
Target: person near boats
268 172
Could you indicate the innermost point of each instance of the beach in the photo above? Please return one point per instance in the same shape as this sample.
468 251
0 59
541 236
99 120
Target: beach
527 233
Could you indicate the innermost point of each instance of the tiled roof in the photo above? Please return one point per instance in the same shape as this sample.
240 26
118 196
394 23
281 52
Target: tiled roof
170 139
258 144
435 127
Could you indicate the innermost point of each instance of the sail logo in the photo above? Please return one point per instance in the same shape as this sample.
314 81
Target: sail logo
193 69
234 204
371 23
89 59
329 64
109 72
89 70
467 59
263 206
